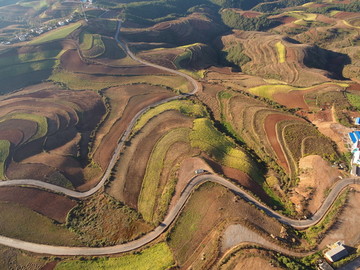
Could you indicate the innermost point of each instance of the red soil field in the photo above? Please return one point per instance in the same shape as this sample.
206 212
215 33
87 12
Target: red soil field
48 204
293 99
270 129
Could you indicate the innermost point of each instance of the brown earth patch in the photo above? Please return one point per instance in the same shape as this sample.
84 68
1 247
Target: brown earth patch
48 204
250 259
316 177
345 15
69 166
293 99
32 171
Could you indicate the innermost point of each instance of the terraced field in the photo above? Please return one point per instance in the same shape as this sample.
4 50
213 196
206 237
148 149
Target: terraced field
289 66
57 129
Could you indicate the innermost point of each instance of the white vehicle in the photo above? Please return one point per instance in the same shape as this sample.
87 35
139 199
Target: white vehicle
199 171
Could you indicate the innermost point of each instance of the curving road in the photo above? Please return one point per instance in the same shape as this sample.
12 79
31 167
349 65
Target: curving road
174 212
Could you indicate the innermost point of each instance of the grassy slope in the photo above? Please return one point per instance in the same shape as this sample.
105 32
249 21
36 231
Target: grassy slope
207 138
56 34
4 153
156 257
184 106
82 81
150 185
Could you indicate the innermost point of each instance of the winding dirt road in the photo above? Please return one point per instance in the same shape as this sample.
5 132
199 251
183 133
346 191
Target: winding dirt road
174 212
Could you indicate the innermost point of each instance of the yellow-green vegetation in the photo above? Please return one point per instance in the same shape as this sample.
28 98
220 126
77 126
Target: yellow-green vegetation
56 34
101 220
85 40
186 107
205 137
334 12
281 52
270 89
151 193
315 232
4 153
91 45
42 125
20 222
84 81
197 74
157 257
354 100
36 5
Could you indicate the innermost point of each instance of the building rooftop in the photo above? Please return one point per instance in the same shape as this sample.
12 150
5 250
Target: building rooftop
336 253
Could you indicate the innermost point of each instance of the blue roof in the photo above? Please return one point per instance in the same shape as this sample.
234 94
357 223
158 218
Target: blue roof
352 137
357 134
357 120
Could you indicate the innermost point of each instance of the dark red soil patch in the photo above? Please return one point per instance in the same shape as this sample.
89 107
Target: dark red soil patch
48 204
354 86
285 19
270 129
293 99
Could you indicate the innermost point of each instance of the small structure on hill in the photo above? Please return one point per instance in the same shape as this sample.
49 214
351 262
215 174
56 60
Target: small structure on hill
337 251
357 121
324 266
355 150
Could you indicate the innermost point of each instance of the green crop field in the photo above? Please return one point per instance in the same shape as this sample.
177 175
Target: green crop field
354 100
42 125
4 153
151 190
157 257
205 137
184 106
59 33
